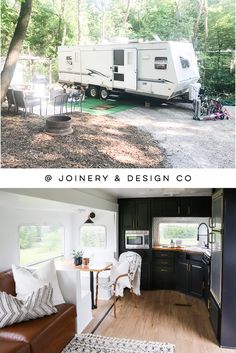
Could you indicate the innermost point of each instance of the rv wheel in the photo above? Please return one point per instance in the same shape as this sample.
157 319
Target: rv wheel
93 91
103 93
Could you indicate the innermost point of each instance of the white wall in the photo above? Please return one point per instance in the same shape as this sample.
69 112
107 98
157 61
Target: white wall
106 218
17 209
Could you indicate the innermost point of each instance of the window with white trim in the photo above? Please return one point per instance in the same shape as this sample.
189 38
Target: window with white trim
184 62
40 243
160 63
93 236
187 232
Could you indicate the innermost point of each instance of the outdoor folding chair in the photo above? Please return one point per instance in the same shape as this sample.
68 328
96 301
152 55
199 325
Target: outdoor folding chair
76 99
26 102
61 102
10 99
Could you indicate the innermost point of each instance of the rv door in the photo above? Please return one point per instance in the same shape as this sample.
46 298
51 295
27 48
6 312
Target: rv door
130 69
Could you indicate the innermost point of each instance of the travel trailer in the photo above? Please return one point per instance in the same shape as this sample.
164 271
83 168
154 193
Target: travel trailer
156 69
176 245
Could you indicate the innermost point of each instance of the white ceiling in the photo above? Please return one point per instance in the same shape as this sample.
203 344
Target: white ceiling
131 193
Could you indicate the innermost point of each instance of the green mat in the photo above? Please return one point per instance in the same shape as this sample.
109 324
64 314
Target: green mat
102 107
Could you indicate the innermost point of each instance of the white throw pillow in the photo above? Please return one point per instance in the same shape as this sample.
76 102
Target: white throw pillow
120 269
27 282
38 304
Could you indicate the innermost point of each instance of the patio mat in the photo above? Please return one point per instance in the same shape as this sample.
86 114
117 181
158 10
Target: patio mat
100 107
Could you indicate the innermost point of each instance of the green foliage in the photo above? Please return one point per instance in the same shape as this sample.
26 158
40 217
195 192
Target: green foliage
38 243
186 232
56 22
77 254
9 17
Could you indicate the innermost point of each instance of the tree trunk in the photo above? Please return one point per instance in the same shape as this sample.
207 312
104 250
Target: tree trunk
124 24
197 23
15 47
79 21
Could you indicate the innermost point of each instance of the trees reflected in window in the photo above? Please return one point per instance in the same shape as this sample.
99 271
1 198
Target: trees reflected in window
92 236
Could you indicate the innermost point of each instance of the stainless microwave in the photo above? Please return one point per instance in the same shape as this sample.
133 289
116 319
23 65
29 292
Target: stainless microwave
137 239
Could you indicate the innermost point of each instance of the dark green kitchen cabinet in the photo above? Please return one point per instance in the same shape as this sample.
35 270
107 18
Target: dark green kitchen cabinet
163 270
189 274
135 214
181 207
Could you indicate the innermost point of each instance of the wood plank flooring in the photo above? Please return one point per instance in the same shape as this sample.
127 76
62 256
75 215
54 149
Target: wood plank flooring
157 318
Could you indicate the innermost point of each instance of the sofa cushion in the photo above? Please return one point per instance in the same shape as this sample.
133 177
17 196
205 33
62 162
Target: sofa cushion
14 347
7 283
38 304
47 334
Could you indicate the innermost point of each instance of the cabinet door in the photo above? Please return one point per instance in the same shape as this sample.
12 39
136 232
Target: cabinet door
143 219
162 277
182 275
170 207
128 213
200 207
196 278
214 312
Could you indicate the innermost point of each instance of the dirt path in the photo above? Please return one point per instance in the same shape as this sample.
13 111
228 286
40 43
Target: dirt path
188 143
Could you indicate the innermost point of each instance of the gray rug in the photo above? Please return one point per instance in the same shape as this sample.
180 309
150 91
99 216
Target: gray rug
87 343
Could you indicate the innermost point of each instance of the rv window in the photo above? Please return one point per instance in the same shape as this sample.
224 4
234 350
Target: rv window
119 77
187 232
119 57
40 243
184 62
160 63
69 60
92 236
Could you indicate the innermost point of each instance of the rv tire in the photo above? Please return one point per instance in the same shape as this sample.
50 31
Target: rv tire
103 93
93 91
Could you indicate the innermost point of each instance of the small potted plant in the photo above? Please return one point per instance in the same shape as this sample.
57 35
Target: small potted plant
77 255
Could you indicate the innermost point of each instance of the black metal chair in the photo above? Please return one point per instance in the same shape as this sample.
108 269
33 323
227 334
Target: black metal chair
26 102
10 99
61 102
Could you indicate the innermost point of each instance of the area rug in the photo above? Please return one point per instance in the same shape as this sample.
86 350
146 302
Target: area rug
87 343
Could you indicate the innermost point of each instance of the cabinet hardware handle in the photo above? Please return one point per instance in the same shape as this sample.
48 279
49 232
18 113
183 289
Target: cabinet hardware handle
211 238
208 304
188 210
164 270
203 285
178 210
164 263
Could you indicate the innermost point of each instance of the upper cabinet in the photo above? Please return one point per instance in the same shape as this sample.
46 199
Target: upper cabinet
181 207
135 214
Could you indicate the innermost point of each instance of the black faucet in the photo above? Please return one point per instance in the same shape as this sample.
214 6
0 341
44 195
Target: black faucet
201 235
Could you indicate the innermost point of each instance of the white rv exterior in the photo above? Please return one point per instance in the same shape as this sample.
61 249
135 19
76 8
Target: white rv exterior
158 69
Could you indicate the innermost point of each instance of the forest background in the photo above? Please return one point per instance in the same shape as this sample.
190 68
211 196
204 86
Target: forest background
208 24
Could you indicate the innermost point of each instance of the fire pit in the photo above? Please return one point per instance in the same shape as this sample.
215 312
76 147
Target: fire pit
58 125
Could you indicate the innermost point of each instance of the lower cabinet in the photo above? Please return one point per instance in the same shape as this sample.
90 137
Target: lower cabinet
189 274
163 270
214 312
181 271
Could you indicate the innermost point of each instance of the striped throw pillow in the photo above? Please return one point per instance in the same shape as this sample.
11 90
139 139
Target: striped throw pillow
38 304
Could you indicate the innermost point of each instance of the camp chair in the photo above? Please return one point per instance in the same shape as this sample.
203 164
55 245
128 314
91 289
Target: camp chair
10 99
26 102
126 274
61 102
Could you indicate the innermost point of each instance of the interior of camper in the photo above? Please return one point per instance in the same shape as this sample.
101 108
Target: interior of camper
132 270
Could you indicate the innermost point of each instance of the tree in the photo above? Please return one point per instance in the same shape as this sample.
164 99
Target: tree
15 46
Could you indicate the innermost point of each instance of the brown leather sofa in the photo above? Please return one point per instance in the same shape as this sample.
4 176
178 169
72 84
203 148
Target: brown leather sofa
49 334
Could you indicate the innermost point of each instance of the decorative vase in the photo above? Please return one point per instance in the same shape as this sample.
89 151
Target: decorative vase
78 261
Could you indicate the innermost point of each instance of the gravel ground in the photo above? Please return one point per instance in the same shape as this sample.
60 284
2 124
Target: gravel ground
97 142
188 143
